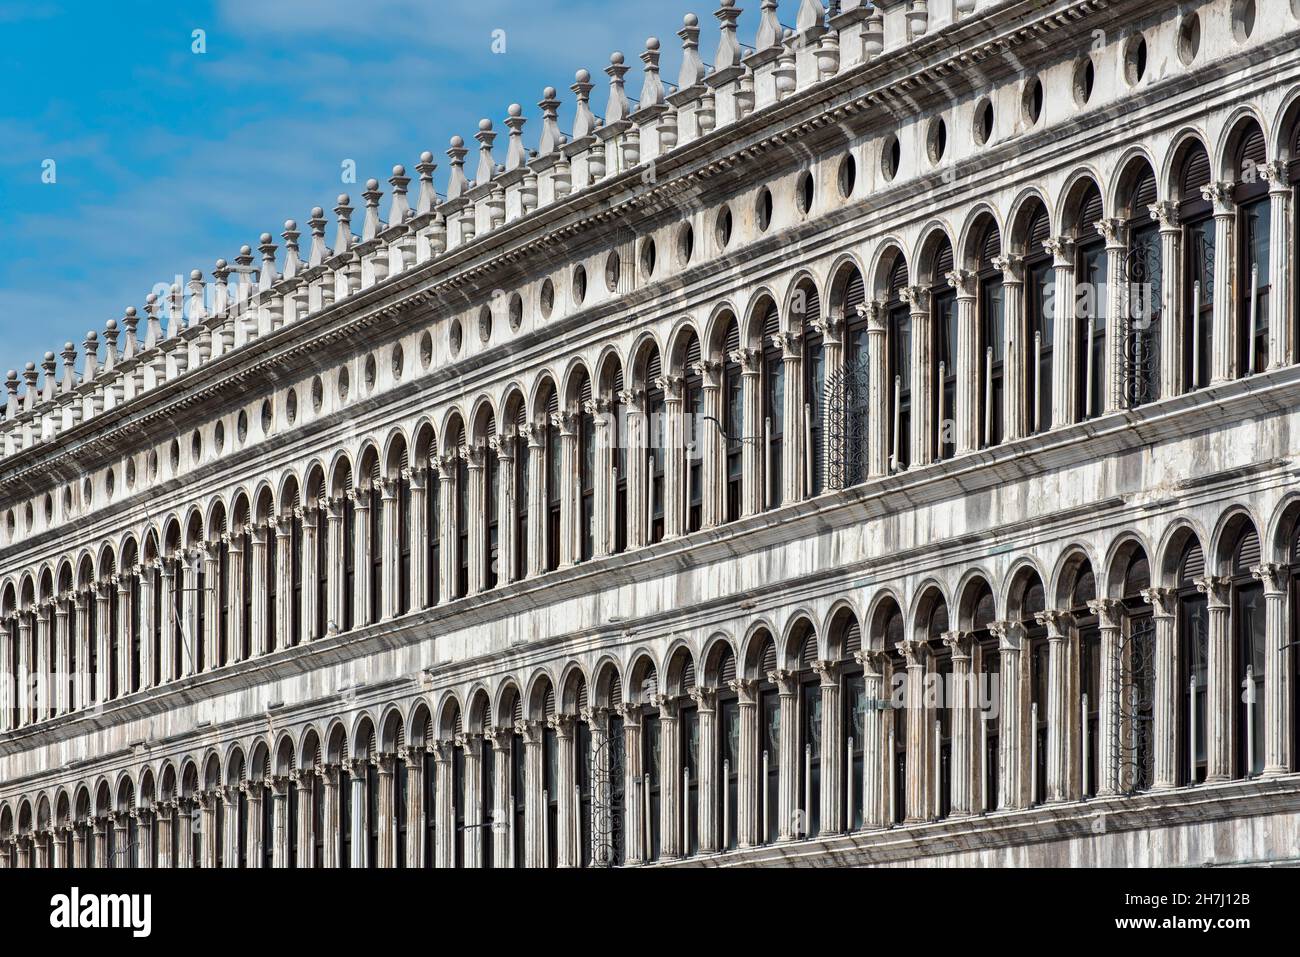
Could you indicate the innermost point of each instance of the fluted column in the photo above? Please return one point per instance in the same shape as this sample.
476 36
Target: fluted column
922 384
1059 710
471 749
1017 349
169 628
1278 670
391 549
337 575
448 548
708 786
1064 341
229 811
1171 306
310 520
255 792
534 850
674 503
504 446
831 328
967 414
712 447
638 447
634 822
476 472
329 782
1011 750
747 774
504 821
8 688
361 556
1281 347
831 811
1115 232
413 767
445 811
148 624
280 821
1220 699
387 819
360 809
753 496
103 636
256 536
418 527
234 597
918 799
166 822
24 669
794 455
1224 358
281 527
59 853
183 820
1163 602
962 767
101 826
879 414
43 660
303 781
1108 611
79 846
670 778
875 811
566 841
208 809
536 493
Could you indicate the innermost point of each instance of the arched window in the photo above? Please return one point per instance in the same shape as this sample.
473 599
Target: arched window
733 421
807 306
692 446
772 392
727 771
586 462
1091 371
349 559
991 346
654 432
768 759
1040 286
809 736
491 514
1196 215
943 355
1145 278
432 531
853 394
462 523
1248 621
554 474
1193 665
898 350
1253 252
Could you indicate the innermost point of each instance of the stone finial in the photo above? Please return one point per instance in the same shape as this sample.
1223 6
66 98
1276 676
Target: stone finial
343 234
692 71
583 121
811 16
428 196
266 277
770 33
457 184
195 295
319 252
371 226
155 334
221 291
131 345
11 399
292 259
487 166
110 345
618 107
399 210
176 309
48 366
90 366
728 54
516 155
244 273
550 107
69 381
30 377
652 87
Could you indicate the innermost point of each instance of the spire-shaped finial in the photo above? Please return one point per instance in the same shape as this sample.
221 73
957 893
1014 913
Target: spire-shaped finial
69 368
550 107
343 235
428 197
11 399
110 345
195 290
90 367
176 307
371 226
728 54
244 274
221 291
457 185
652 87
399 211
770 31
30 378
618 108
319 252
583 121
292 260
487 166
516 155
130 320
692 71
267 247
811 17
48 366
155 322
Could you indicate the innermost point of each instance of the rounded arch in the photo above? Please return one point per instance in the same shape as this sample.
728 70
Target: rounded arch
479 710
762 318
885 621
683 346
802 305
575 381
646 359
509 706
575 695
719 657
929 615
1244 137
1029 222
1133 184
420 724
286 754
981 231
977 606
235 768
392 730
642 678
1076 570
424 442
888 260
1173 546
609 372
450 717
1081 203
336 743
1023 594
721 329
843 631
396 453
211 776
541 696
544 399
1234 525
679 672
757 644
1187 166
934 255
363 741
1128 566
1282 537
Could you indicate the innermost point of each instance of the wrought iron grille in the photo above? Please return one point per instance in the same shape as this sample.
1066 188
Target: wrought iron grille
1141 345
845 430
1133 734
607 799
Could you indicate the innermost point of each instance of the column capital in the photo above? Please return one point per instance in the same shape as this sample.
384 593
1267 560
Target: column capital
746 689
1275 174
959 644
1215 589
1009 634
1273 576
1166 214
1113 230
1162 601
828 672
1107 611
917 299
1053 622
706 699
748 360
829 327
1219 195
562 724
786 681
913 652
872 661
1061 249
874 312
963 280
667 705
788 343
1012 269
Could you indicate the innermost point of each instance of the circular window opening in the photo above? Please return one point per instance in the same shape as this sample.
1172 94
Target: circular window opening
1135 59
686 243
724 227
10 525
548 299
268 417
1033 101
516 312
87 492
983 122
196 447
175 456
241 426
579 285
613 270
936 139
891 156
110 483
151 466
317 394
807 192
29 517
219 437
49 507
764 209
130 474
426 349
648 255
399 363
848 176
1084 76
1189 37
485 324
370 372
345 384
67 500
454 337
1243 19
291 406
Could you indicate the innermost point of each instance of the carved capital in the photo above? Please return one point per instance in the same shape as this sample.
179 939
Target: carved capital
917 299
1273 576
1053 622
959 644
1215 590
1112 230
1219 196
1061 249
1107 611
963 280
1011 267
1166 214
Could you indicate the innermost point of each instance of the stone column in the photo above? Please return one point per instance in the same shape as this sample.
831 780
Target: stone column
633 786
708 787
970 386
448 547
536 492
229 811
280 821
879 414
256 794
794 455
148 625
103 637
962 767
1219 696
1224 359
360 810
282 528
566 424
208 809
303 780
1277 670
476 472
638 446
831 810
789 755
1163 602
1171 306
919 732
1059 707
417 487
566 841
445 813
1017 348
387 817
1012 754
875 762
329 782
43 659
504 815
256 535
207 640
361 556
169 628
1115 232
747 774
923 384
670 778
8 689
831 328
504 446
60 852
24 670
143 838
310 521
235 557
470 745
1064 341
413 767
675 464
166 822
184 820
712 447
337 576
101 826
1108 613
753 493
1281 348
391 549
534 849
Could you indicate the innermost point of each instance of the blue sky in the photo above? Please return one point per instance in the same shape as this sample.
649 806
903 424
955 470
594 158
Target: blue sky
167 160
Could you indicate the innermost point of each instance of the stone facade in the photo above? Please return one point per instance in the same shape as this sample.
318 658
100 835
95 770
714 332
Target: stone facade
875 450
